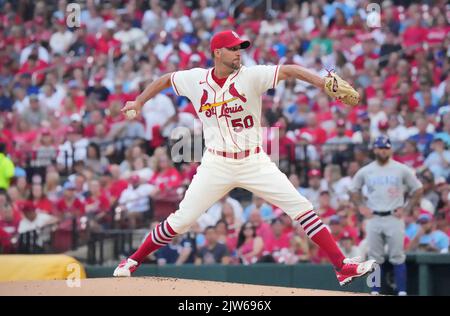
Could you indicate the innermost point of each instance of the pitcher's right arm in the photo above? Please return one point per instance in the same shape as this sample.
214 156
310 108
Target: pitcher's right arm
152 89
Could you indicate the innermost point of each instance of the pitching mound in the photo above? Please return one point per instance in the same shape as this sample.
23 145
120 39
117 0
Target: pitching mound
154 286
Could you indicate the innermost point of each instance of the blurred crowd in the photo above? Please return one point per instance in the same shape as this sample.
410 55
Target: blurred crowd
68 156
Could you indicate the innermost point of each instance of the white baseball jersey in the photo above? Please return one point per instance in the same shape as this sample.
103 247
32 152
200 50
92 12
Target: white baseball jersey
231 118
231 115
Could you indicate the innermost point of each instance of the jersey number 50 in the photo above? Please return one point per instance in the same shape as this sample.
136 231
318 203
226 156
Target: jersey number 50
239 123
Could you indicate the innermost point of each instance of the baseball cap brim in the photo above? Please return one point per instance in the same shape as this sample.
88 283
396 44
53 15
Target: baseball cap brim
243 44
383 146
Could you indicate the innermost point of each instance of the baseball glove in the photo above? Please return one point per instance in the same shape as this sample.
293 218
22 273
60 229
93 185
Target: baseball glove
340 89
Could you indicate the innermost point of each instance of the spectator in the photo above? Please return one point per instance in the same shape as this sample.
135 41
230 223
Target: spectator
213 252
98 90
336 228
299 245
135 200
117 185
131 38
131 154
312 192
166 178
97 206
214 213
313 128
5 242
324 209
52 187
444 134
233 224
94 160
396 132
438 161
40 202
170 253
376 114
259 204
337 186
249 246
6 102
69 206
428 238
129 132
34 114
423 139
10 216
304 150
156 112
6 168
410 155
22 186
429 193
277 244
337 148
34 220
347 245
45 152
154 17
140 167
188 250
263 228
411 225
225 237
61 40
72 150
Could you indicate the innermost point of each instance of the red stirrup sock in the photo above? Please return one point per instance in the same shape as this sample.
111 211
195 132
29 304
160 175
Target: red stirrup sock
160 236
316 230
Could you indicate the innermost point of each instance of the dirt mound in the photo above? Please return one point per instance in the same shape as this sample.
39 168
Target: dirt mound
153 286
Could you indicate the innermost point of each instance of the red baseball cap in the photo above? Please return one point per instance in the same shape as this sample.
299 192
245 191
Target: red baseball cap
227 39
383 124
314 173
340 123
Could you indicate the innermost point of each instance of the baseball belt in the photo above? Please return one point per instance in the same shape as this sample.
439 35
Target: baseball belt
383 213
238 155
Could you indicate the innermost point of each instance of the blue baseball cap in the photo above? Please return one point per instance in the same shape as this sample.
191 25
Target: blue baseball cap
424 218
69 186
382 142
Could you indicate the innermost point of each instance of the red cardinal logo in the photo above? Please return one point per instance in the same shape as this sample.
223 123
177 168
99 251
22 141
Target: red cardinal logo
203 99
236 94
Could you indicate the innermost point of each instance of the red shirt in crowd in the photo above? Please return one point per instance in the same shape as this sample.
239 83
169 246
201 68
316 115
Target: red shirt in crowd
436 35
413 160
39 66
286 148
328 212
168 179
74 207
103 45
98 204
11 223
44 205
414 35
264 231
117 187
348 231
273 243
5 241
360 60
319 135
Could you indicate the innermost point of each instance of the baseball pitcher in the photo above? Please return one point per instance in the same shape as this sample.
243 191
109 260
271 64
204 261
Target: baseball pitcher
387 181
227 98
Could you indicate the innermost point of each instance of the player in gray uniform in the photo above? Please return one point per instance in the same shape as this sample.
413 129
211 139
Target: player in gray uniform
387 181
